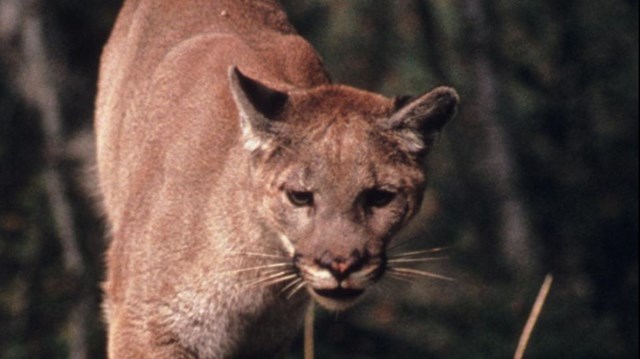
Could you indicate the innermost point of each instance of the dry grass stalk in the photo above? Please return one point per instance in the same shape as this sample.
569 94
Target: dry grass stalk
533 317
308 332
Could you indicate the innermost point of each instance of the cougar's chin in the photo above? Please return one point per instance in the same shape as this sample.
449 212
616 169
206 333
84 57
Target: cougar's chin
337 299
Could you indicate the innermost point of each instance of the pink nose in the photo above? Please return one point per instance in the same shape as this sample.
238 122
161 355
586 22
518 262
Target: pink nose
339 266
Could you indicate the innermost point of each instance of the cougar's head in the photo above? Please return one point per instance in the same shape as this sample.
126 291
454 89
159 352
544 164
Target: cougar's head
336 173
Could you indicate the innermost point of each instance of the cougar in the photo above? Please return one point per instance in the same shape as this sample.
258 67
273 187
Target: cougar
239 183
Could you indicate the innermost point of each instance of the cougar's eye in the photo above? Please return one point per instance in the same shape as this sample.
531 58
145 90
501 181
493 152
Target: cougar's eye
377 198
300 198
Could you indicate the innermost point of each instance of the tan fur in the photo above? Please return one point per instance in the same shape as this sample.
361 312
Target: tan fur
198 162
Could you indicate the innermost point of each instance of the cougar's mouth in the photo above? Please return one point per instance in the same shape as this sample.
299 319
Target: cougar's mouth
337 299
339 293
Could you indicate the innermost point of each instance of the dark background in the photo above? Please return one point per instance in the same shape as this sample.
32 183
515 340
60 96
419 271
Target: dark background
538 174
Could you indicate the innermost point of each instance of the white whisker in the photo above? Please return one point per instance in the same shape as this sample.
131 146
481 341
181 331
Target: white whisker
262 255
401 244
416 260
273 281
415 253
269 277
296 289
400 277
290 285
275 265
407 272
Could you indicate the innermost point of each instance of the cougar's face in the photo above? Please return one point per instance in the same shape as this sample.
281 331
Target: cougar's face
336 172
335 197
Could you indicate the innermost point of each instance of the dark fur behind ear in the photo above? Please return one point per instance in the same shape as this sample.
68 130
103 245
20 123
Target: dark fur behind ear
419 120
401 101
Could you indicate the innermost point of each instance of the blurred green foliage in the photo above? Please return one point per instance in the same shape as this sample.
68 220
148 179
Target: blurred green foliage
567 90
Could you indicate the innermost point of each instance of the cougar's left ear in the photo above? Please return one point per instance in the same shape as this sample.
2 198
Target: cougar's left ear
420 119
258 107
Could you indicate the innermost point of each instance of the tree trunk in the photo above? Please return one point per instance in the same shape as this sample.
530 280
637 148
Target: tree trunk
24 47
495 169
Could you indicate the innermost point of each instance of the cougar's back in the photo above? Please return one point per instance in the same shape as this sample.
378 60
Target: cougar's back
145 72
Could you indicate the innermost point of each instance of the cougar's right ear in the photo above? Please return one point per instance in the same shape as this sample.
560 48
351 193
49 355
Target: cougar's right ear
259 107
418 120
